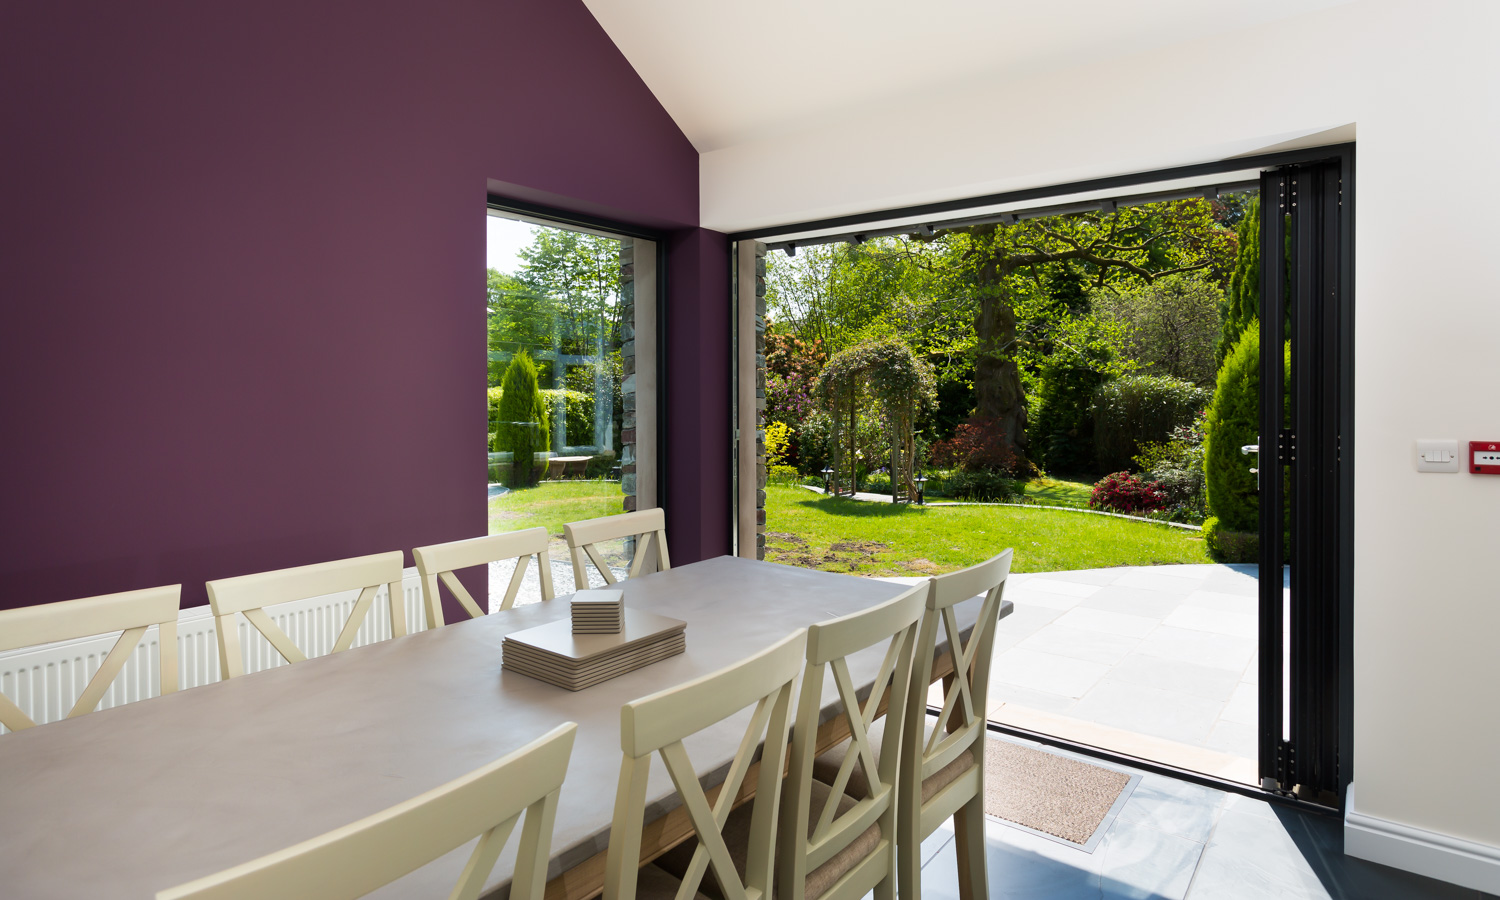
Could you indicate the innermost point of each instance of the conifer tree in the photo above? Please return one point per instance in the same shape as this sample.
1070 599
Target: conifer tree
522 426
1242 302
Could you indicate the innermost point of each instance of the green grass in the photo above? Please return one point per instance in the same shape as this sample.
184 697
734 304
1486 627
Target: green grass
840 535
1056 492
552 504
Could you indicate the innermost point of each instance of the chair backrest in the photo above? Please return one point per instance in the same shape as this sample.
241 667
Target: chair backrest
658 724
130 613
437 562
648 526
894 623
356 859
962 721
250 594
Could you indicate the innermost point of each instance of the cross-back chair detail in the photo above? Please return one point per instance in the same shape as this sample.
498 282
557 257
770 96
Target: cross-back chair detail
658 724
648 526
248 595
356 859
959 729
807 843
130 613
436 563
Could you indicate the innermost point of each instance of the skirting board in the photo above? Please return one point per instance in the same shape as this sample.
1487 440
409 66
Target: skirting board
1454 860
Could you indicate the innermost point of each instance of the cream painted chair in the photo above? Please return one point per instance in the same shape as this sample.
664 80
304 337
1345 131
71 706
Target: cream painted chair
248 595
649 527
942 772
356 859
657 725
130 613
837 843
438 562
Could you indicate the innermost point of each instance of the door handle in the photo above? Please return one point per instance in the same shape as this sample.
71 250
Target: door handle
1248 449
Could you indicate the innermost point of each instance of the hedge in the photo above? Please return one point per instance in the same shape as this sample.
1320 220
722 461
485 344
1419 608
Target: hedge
1137 410
579 409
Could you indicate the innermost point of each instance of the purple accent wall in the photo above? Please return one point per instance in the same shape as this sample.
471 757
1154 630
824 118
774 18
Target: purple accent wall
241 269
698 359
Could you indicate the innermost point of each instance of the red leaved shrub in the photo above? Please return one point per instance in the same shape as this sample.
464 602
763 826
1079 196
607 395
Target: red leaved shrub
1125 493
978 445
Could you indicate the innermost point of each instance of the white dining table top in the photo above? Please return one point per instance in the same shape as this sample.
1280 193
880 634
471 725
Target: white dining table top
138 798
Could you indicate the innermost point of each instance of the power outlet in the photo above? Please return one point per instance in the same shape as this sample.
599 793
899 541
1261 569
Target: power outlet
1484 457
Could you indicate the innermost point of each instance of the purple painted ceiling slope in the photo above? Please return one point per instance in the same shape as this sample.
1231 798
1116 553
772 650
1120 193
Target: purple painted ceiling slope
242 266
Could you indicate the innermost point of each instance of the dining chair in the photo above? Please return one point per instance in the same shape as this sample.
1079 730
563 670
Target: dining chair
248 595
657 725
356 859
648 526
437 563
837 843
130 613
942 772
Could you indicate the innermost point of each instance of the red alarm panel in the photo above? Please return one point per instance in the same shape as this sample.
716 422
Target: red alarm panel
1484 457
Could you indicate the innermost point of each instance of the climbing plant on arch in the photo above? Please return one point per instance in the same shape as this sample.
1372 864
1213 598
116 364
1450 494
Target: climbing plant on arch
900 384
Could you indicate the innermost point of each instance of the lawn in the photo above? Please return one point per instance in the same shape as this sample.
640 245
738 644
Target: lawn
1055 492
552 504
841 535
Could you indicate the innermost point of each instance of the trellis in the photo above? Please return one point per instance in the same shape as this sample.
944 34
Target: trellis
890 374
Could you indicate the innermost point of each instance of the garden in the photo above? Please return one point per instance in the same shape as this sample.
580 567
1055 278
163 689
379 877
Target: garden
1104 359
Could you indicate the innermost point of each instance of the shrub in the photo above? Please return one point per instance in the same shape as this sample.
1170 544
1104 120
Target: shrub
982 487
1123 492
783 475
1140 409
877 483
978 445
494 404
1177 466
600 464
1228 546
1061 431
778 444
578 409
1233 421
1171 324
522 419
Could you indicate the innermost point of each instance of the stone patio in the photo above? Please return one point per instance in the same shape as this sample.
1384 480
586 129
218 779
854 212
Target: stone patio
1156 661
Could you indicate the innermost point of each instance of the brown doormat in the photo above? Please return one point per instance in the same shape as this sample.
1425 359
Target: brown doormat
1048 793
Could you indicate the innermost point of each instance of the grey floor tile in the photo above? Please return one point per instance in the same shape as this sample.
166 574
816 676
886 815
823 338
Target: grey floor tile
1217 621
1224 873
1203 648
1135 601
1174 715
1244 706
1137 861
1020 866
1098 577
1108 622
1079 643
1002 693
1170 674
1245 604
935 842
1025 620
1233 737
1028 597
1046 672
1179 582
1058 583
1175 807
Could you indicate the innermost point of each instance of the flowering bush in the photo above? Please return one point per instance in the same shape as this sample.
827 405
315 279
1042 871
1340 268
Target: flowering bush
1125 493
778 444
978 445
792 366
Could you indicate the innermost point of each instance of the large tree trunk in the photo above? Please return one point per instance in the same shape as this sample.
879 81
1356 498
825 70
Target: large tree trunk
999 395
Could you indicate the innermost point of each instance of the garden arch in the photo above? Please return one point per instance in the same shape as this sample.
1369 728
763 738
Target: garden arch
890 375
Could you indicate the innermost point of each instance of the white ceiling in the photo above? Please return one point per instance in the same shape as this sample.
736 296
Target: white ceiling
731 73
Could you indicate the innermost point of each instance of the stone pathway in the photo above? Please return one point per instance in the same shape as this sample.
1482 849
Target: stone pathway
1156 661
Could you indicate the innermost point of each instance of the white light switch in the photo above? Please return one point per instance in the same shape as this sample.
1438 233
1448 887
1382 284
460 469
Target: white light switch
1437 456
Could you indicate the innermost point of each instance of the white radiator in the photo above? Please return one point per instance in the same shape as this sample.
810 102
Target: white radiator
45 681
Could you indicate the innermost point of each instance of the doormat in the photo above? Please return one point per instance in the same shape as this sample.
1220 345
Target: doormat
1050 794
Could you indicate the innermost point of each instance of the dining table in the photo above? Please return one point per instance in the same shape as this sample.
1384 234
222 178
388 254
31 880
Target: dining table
138 798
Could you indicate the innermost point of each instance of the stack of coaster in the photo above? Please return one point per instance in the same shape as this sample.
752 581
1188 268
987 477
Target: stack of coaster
554 654
598 612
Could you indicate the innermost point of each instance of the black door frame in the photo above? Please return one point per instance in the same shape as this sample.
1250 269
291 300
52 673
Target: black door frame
847 227
1306 283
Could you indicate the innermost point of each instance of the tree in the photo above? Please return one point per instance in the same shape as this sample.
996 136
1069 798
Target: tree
519 318
1171 325
1002 262
522 426
1241 305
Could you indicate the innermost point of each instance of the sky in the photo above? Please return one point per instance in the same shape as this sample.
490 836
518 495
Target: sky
503 238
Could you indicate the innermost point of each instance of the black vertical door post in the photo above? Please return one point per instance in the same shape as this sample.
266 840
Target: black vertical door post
1303 274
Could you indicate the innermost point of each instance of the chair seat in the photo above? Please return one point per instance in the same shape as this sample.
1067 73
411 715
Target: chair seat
826 767
737 838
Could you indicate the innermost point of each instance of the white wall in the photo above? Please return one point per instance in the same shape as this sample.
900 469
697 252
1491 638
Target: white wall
1419 82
